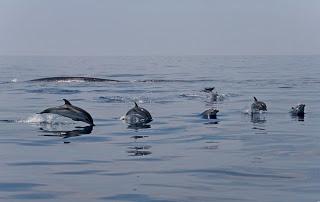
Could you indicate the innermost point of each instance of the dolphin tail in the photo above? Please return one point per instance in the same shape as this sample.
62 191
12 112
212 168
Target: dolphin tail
255 99
135 104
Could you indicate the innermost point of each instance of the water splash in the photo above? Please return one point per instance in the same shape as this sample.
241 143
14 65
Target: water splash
123 99
14 80
39 119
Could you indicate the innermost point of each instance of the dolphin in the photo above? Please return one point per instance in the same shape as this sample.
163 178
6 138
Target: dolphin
298 110
210 113
257 106
73 112
208 90
72 79
137 116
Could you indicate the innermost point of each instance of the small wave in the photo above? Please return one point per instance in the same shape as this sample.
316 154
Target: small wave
189 95
246 111
285 87
7 121
112 99
54 91
14 80
120 99
172 81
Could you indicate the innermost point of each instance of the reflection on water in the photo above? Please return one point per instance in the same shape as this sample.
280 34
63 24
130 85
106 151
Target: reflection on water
139 149
139 136
258 118
212 122
68 133
297 117
138 126
142 150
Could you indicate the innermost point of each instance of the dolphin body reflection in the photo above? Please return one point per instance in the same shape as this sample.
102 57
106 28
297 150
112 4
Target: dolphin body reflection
69 133
73 112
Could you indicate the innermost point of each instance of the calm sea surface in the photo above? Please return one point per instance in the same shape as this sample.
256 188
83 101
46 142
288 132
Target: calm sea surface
181 157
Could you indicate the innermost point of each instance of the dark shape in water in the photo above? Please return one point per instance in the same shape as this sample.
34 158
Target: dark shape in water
298 110
139 136
208 90
139 126
72 78
70 133
258 106
138 116
73 112
210 113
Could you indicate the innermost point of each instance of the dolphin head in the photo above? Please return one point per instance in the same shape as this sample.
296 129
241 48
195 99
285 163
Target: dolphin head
298 110
257 106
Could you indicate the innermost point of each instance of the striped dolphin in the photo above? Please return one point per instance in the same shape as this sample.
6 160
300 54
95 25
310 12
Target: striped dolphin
137 116
258 106
298 110
73 112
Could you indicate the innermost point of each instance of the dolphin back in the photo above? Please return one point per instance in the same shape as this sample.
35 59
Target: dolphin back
138 115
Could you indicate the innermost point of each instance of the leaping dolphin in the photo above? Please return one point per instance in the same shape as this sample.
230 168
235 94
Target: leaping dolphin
73 112
257 106
138 116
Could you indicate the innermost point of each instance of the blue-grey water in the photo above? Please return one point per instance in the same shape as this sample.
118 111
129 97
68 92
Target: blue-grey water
181 157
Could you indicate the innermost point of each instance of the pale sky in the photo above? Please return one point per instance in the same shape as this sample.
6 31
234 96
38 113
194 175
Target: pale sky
159 27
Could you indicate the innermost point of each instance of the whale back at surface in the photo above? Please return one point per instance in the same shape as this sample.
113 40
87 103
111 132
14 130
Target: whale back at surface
72 78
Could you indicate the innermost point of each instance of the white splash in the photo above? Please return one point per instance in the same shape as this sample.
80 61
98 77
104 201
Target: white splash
14 80
38 119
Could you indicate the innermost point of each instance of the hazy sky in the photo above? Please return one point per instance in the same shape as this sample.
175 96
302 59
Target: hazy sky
165 27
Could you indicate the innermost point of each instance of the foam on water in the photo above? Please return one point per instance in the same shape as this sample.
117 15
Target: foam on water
39 119
14 80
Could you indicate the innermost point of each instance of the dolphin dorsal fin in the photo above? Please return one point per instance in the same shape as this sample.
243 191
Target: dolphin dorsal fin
255 99
135 104
66 102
